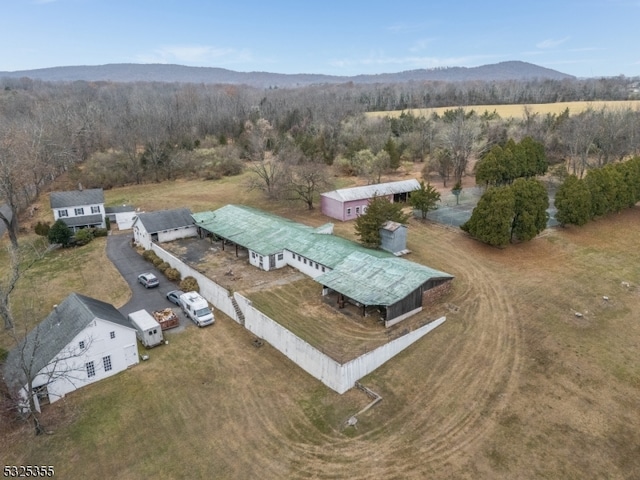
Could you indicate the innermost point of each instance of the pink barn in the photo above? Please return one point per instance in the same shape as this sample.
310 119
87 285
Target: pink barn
349 203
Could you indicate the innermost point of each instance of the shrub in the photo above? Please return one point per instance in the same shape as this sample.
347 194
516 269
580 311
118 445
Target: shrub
157 261
100 232
164 266
149 255
42 228
189 284
82 237
172 274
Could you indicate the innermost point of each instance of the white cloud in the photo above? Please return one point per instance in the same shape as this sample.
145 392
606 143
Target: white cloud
551 42
202 55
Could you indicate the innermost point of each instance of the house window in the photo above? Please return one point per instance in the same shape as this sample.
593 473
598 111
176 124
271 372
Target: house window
106 362
95 209
305 261
323 269
281 256
62 213
349 211
81 344
253 254
79 211
357 210
91 369
364 209
317 266
112 335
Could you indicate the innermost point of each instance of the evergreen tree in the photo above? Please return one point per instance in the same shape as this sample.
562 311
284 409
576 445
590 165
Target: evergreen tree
573 202
60 233
530 209
379 211
491 220
424 199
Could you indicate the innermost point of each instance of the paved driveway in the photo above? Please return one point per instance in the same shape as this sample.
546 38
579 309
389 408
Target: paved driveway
130 264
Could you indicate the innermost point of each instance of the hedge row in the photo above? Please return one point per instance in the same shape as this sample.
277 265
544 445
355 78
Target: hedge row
188 284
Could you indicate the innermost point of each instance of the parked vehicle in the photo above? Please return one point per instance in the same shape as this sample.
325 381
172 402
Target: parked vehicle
148 330
196 308
148 280
174 296
166 318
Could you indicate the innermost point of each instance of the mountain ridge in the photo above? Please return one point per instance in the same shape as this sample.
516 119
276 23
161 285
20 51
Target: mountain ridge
171 73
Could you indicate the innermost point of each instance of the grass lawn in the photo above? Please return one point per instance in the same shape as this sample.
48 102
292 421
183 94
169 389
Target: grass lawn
512 385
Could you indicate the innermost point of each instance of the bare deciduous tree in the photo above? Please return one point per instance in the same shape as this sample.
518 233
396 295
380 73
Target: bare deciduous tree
459 136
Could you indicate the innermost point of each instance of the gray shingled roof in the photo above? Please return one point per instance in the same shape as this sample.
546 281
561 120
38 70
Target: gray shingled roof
95 219
165 220
120 209
370 191
76 198
55 332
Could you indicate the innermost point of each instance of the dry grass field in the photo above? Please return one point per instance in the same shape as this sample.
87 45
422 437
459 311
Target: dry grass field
516 111
512 385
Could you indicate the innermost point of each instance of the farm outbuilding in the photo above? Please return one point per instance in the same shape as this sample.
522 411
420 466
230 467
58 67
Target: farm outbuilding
396 287
163 226
361 276
349 203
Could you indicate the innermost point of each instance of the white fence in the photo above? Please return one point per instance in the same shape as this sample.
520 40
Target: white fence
339 377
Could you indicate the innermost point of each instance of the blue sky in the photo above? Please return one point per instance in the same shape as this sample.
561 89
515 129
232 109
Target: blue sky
590 38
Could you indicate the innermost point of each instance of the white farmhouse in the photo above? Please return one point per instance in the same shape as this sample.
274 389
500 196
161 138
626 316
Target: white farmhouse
163 226
83 340
79 208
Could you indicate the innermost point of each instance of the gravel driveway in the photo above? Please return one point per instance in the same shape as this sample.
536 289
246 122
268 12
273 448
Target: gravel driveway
130 264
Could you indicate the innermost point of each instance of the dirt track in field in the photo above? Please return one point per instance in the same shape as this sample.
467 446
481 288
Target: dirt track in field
427 424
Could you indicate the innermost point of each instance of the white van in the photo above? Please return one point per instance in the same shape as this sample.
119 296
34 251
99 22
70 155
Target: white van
196 308
148 330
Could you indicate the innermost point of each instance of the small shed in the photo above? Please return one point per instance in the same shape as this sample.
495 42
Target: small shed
393 238
349 203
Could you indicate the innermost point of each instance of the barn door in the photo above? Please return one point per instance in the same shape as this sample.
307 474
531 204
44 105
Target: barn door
131 355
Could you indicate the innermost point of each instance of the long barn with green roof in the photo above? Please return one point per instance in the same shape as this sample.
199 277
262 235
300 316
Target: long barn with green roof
370 279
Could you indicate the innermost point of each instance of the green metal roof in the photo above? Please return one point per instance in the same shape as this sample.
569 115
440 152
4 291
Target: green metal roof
377 281
371 277
267 234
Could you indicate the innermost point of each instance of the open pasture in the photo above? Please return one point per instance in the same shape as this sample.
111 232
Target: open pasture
512 385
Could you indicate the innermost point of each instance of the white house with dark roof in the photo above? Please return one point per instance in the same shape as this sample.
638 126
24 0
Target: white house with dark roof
79 208
81 341
163 226
349 203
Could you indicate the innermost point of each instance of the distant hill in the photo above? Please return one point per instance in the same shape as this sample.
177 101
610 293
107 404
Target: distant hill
131 72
